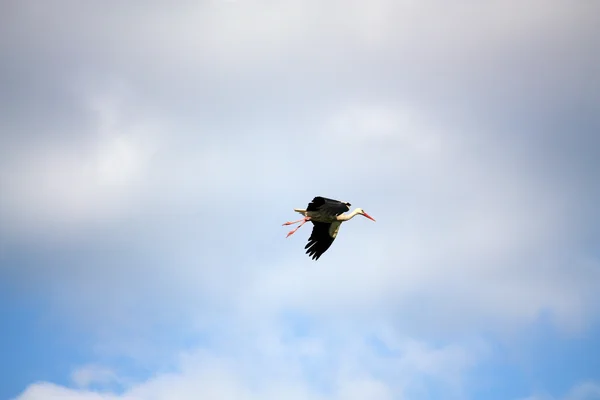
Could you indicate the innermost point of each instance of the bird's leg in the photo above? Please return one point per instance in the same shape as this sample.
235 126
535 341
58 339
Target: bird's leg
294 222
306 219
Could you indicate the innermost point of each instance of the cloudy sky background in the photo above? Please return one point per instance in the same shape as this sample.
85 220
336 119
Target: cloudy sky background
151 150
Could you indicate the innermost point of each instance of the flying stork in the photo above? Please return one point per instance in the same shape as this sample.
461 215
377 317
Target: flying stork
326 215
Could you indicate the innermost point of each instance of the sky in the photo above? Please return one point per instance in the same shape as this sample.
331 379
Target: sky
151 150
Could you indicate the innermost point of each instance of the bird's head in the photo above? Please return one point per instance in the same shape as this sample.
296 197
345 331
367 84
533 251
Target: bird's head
362 212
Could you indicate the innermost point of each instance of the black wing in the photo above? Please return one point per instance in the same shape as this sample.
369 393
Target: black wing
319 240
328 206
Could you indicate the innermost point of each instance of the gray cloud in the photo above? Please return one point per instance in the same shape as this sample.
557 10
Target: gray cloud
167 143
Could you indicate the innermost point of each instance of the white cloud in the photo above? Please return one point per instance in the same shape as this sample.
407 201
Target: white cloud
386 130
50 391
581 391
264 366
584 391
88 375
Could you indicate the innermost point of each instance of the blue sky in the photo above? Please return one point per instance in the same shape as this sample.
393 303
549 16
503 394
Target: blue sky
150 151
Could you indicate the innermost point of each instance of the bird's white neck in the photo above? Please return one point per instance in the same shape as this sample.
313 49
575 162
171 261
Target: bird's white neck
347 217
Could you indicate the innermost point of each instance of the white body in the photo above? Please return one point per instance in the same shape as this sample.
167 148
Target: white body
316 216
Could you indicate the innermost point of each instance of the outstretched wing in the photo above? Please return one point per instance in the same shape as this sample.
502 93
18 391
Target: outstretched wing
327 206
321 238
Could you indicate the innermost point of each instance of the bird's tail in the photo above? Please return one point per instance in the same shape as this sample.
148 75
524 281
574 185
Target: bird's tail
300 210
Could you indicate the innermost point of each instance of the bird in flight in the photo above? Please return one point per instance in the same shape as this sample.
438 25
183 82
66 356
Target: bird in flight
326 215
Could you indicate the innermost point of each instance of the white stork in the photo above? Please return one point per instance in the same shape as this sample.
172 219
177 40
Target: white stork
326 215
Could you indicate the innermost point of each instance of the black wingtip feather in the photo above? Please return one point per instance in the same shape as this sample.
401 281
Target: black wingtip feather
319 241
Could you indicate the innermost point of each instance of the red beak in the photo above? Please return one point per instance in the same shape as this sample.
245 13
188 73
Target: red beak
368 216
